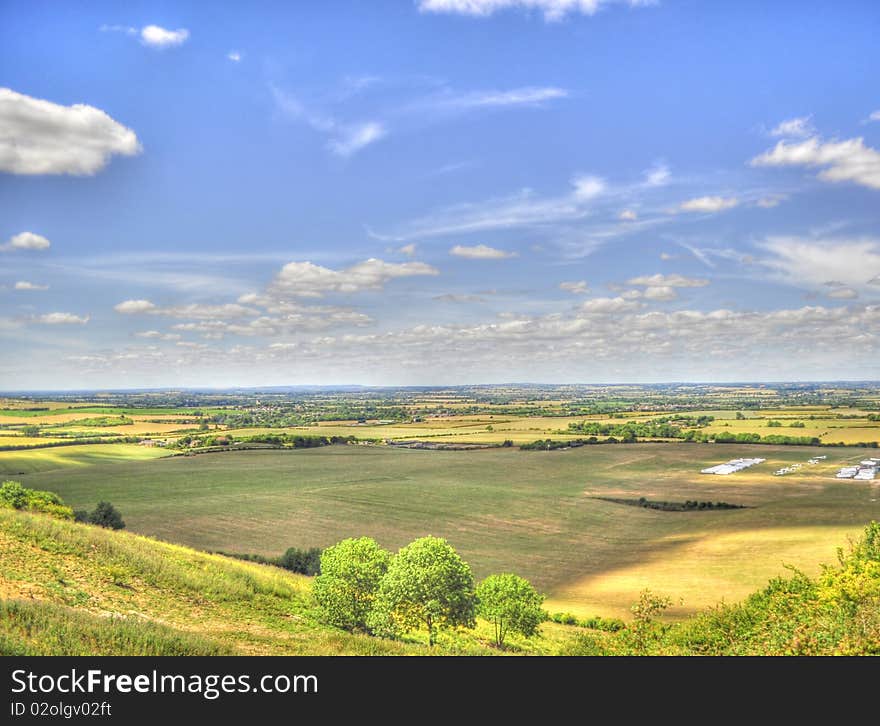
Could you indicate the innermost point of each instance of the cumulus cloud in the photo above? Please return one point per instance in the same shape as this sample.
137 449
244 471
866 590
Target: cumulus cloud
156 36
674 280
480 252
813 263
799 127
578 287
60 319
26 241
608 305
25 285
135 307
305 279
848 160
660 293
196 311
553 10
708 204
41 137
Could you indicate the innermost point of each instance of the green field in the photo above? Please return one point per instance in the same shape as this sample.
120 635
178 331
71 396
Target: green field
504 509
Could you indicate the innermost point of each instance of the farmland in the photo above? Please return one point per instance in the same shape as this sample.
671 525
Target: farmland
168 461
504 509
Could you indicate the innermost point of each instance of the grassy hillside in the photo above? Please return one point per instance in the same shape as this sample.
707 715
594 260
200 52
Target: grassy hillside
73 589
534 513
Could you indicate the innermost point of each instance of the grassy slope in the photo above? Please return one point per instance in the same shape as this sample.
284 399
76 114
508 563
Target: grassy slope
72 589
530 512
15 463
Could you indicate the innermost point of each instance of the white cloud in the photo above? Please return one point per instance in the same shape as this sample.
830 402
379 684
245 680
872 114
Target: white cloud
25 285
660 293
848 160
526 96
627 215
657 175
608 305
408 250
708 204
195 311
875 116
156 36
674 280
578 287
158 335
456 298
665 256
60 319
351 139
524 209
135 307
305 279
26 241
480 252
345 139
553 10
41 137
234 55
799 127
771 201
812 263
587 186
843 293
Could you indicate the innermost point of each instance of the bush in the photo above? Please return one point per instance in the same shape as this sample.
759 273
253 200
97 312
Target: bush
306 562
14 496
106 515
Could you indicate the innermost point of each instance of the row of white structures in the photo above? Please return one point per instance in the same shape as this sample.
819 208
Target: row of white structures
865 470
731 466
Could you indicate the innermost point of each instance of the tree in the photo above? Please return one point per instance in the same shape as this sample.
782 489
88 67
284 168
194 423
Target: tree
350 574
306 562
30 430
510 603
106 515
428 584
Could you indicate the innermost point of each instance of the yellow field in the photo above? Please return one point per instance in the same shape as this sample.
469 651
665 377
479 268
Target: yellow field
24 462
696 568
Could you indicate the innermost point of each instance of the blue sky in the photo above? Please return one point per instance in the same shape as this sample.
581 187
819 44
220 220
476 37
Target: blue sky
438 192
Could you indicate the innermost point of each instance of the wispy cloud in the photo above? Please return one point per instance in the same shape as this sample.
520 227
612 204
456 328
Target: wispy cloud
60 319
344 139
799 127
526 96
25 285
481 252
708 204
235 56
552 10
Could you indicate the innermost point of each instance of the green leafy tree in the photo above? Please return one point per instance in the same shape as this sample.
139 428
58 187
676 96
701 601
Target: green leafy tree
30 430
427 584
106 515
510 602
350 574
645 629
13 495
